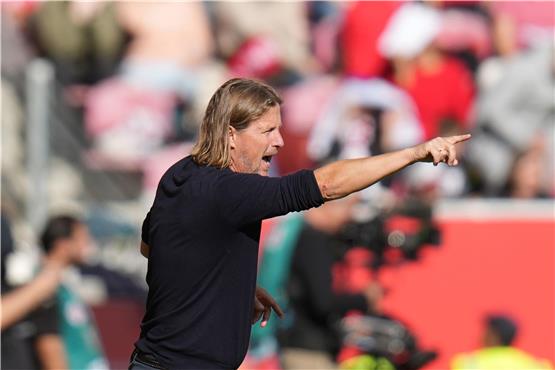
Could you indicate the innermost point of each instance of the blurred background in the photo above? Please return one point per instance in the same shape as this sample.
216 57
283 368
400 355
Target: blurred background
420 271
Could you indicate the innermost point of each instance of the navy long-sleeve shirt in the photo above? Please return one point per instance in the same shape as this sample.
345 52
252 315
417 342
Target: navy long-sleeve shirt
203 231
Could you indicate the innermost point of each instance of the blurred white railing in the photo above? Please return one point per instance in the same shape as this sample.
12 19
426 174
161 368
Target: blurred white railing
483 209
38 86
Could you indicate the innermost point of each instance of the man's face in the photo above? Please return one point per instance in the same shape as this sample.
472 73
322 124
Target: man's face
252 149
81 244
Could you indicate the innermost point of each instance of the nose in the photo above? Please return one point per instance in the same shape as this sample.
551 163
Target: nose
278 140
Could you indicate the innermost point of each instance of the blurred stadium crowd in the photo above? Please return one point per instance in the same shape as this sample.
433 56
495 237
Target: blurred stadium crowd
127 83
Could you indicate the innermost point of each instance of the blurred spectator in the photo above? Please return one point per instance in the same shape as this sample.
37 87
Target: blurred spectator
169 43
497 352
441 86
365 117
515 120
525 178
29 324
83 39
310 340
133 114
67 238
273 272
285 23
128 123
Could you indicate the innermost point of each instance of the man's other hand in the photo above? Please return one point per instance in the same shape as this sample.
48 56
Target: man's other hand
263 305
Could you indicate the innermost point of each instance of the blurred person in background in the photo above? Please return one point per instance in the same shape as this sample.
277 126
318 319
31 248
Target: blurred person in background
29 323
67 238
278 239
363 118
92 41
498 352
157 56
527 176
310 340
515 124
140 109
284 249
284 23
442 88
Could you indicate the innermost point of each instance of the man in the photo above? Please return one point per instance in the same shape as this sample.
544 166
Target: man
201 234
498 352
26 323
20 301
310 340
77 346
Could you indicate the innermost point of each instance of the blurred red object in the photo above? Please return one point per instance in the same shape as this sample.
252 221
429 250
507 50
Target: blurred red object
20 10
364 23
257 57
408 225
447 92
114 102
353 274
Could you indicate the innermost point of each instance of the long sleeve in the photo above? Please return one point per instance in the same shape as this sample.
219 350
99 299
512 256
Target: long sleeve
246 198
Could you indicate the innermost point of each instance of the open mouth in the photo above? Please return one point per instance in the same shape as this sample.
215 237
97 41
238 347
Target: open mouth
267 158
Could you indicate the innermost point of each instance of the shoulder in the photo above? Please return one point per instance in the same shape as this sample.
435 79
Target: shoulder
177 175
183 165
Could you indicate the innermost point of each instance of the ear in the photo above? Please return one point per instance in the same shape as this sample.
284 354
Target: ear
232 137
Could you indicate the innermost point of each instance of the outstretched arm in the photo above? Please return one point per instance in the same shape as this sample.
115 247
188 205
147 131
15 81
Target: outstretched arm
19 302
341 178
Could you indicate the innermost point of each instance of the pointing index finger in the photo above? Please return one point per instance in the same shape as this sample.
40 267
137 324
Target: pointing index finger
458 138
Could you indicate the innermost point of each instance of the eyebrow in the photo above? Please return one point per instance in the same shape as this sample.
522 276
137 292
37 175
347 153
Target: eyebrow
271 126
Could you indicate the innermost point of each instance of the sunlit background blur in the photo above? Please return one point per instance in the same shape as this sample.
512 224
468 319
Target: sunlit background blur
100 98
